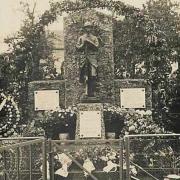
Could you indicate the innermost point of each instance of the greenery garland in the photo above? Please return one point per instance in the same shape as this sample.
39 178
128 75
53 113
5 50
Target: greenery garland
11 115
57 8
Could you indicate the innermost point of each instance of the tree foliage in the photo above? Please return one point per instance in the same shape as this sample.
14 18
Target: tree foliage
29 45
150 36
146 45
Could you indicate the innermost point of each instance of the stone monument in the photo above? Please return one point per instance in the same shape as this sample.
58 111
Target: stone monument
89 77
88 44
89 67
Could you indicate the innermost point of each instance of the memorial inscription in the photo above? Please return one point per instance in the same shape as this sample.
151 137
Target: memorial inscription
132 98
46 100
90 124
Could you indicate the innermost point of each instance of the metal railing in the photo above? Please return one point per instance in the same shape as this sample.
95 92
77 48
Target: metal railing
95 150
153 155
21 158
150 156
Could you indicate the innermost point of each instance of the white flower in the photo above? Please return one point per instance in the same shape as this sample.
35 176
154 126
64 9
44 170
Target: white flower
132 128
71 114
104 158
140 112
148 112
133 170
112 156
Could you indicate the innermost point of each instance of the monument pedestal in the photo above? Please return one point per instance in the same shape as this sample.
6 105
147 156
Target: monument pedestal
88 99
90 123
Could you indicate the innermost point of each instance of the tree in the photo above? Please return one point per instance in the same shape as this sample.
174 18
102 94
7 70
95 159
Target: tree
151 37
30 45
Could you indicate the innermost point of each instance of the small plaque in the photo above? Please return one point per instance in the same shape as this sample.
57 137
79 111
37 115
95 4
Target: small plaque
132 98
46 100
90 124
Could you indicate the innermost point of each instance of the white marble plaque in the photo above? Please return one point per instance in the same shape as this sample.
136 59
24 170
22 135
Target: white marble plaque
90 124
46 100
132 98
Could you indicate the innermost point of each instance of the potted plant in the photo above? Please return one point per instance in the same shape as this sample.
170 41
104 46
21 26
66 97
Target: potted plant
58 124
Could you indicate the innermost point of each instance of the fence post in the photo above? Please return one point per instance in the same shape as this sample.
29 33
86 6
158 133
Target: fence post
5 165
44 159
18 163
127 150
30 162
121 159
51 160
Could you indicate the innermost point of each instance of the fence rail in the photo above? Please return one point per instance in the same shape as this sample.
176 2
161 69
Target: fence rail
151 156
19 158
91 149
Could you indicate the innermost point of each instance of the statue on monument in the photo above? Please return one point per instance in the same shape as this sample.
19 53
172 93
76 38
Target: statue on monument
88 44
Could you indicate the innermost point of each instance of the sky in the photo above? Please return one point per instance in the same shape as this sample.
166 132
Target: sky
11 15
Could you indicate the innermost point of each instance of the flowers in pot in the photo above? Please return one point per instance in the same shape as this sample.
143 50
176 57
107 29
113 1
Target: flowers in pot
132 121
59 121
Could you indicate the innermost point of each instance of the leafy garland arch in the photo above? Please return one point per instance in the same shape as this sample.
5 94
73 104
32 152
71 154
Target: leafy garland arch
58 8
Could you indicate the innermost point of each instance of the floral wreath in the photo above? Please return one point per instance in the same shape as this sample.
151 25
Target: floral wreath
11 115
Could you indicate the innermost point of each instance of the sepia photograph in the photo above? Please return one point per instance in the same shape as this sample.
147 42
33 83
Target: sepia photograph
89 89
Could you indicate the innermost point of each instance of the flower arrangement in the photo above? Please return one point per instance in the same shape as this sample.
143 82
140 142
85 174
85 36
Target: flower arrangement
135 121
93 158
60 116
10 115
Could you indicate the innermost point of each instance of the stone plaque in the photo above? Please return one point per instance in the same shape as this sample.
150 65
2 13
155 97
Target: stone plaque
132 98
90 124
46 100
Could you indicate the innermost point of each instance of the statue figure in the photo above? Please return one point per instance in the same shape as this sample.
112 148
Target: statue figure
88 44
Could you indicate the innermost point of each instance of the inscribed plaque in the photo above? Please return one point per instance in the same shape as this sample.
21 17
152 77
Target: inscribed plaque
132 98
46 100
90 124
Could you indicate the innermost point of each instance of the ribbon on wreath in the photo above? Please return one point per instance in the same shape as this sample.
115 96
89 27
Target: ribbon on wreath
7 98
89 166
66 162
3 102
110 166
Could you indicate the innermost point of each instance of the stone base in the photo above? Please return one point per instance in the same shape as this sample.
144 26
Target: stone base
88 99
90 122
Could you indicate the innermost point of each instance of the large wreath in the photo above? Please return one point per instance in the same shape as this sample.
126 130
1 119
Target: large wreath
10 115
